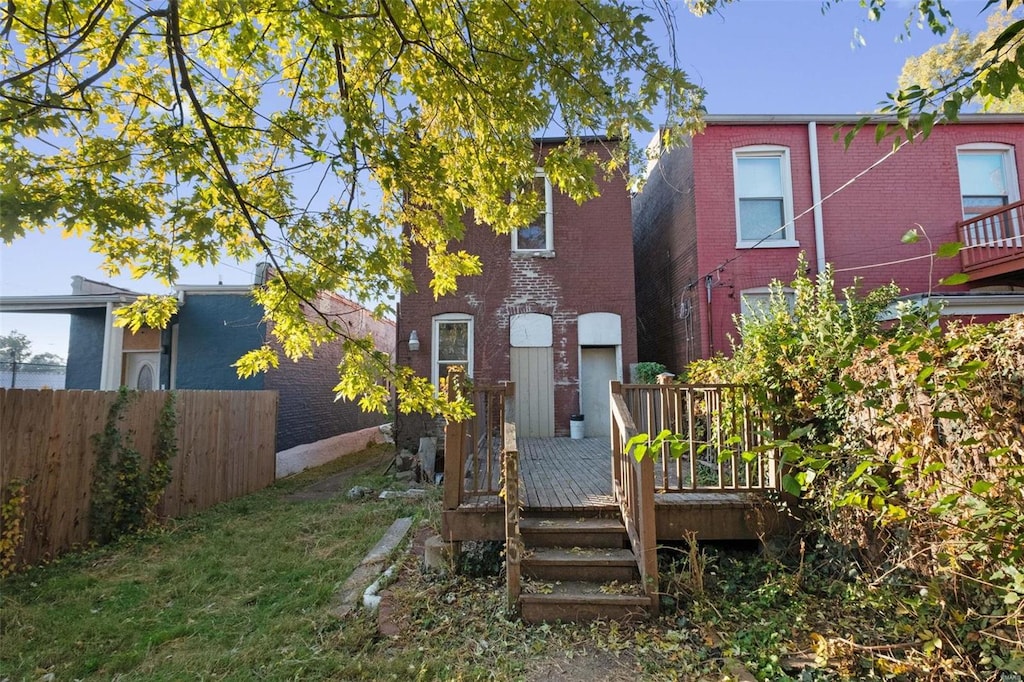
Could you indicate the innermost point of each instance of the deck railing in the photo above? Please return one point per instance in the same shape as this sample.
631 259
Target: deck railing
481 460
992 238
472 456
633 487
723 430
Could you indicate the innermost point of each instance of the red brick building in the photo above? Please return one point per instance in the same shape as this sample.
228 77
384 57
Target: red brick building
553 311
722 217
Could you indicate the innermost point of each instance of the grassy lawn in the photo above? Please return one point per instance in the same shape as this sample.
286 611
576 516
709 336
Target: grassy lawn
239 592
244 591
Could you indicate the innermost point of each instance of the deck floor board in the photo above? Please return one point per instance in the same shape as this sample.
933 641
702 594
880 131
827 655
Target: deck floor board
565 474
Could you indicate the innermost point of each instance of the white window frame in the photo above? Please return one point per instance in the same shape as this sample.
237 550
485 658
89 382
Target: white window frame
435 374
763 294
549 220
762 151
1006 151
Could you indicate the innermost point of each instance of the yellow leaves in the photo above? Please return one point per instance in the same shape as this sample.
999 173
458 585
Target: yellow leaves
256 361
448 267
149 311
12 522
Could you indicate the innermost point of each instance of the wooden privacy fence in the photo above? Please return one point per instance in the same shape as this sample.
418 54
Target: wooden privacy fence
225 449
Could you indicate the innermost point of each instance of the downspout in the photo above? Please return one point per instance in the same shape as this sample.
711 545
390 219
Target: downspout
819 222
711 321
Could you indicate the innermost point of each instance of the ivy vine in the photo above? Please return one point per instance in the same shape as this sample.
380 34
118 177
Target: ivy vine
124 494
12 519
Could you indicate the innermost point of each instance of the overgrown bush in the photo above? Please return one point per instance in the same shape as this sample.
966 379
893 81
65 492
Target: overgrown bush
937 438
647 372
905 445
795 350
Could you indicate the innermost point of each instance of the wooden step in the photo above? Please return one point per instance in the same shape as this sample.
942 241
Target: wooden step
573 602
551 531
590 564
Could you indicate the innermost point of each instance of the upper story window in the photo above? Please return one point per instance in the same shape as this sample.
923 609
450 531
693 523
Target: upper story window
452 344
538 236
988 177
764 197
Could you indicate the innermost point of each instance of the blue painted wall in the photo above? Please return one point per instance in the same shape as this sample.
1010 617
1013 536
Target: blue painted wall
85 349
214 330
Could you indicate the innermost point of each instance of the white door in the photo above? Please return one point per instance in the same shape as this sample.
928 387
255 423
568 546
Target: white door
533 372
598 367
142 371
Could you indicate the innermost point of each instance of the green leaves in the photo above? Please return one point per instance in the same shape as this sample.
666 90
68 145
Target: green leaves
955 279
949 249
963 73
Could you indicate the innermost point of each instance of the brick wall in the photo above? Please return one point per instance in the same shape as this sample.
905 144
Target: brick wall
307 410
665 255
863 223
214 330
918 186
591 271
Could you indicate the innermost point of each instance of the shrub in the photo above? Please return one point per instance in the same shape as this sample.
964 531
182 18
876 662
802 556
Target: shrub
647 372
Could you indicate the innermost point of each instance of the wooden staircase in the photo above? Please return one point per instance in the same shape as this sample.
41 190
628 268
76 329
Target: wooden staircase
579 569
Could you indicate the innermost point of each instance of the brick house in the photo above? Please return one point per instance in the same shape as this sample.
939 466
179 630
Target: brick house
722 217
214 326
553 311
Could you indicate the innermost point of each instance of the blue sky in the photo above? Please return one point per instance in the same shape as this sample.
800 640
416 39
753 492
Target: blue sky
754 57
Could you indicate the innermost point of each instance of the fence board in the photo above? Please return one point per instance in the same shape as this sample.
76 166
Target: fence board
225 450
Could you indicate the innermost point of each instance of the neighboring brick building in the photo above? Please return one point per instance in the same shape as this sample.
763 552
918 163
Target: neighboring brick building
554 311
214 326
722 217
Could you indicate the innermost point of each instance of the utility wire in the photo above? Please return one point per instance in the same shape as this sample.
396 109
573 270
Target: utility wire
793 220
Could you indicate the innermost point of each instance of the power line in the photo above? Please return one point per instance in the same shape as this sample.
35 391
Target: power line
741 253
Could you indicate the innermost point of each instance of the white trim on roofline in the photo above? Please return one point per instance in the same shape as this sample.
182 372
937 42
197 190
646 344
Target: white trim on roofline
804 119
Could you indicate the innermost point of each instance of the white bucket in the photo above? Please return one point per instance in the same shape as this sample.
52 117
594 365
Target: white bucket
576 426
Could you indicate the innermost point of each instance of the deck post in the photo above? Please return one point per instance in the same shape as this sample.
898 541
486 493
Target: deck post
454 445
513 538
648 531
615 388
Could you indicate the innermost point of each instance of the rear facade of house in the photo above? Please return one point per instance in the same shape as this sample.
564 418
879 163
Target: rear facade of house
553 311
721 218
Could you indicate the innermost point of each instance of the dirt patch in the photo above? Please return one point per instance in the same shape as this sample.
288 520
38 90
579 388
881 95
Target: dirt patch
583 665
339 483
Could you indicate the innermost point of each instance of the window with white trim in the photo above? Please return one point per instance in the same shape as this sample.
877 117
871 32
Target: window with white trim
988 177
755 303
538 236
452 344
764 197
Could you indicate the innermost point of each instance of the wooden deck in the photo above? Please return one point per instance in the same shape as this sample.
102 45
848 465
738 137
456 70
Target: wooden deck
567 477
